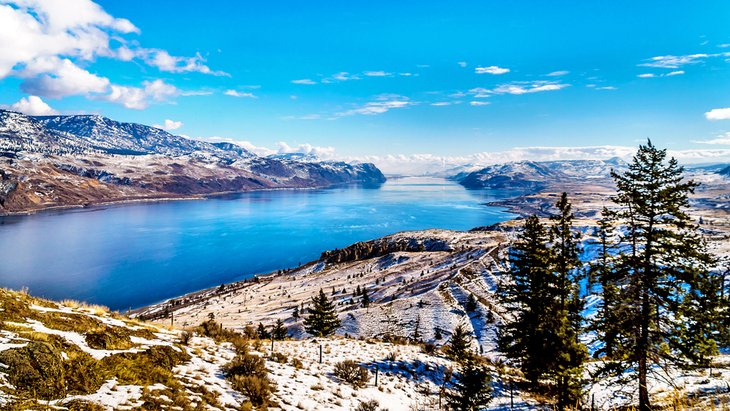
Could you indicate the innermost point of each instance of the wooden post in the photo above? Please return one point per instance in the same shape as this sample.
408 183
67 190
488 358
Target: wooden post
172 319
320 353
272 344
511 396
377 368
593 402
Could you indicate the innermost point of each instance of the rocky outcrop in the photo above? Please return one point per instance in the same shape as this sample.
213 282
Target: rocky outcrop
383 246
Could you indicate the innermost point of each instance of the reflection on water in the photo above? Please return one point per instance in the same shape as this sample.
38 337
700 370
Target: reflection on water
136 254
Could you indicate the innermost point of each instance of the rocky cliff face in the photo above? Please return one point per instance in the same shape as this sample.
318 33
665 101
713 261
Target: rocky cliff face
384 246
76 160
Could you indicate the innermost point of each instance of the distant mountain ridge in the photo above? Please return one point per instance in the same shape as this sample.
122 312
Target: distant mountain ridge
51 161
531 175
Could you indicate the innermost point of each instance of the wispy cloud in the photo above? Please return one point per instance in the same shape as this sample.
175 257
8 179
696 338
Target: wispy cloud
674 62
341 76
304 81
653 75
462 64
382 104
378 73
496 70
479 103
606 88
722 139
236 93
524 87
558 73
164 61
718 114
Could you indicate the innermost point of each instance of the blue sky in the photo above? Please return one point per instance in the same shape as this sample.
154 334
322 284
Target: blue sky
373 78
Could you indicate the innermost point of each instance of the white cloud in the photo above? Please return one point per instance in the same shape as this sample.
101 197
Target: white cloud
462 64
169 125
378 73
606 88
52 77
491 70
646 75
416 164
441 103
32 106
51 43
675 73
479 103
234 93
522 87
139 98
281 147
383 104
304 81
558 73
718 114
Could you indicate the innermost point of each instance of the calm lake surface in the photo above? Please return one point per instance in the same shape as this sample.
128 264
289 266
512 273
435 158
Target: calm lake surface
137 254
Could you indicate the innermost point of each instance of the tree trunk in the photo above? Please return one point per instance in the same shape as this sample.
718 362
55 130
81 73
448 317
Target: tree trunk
643 353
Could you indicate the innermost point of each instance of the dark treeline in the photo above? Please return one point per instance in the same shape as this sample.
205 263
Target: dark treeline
662 302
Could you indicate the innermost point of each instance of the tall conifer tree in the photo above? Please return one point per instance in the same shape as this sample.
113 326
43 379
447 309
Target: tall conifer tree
666 297
322 320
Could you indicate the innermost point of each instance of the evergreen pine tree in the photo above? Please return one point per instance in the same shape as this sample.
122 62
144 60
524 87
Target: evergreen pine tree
608 320
459 346
295 313
417 329
261 332
568 352
528 295
667 297
279 331
365 297
473 390
322 320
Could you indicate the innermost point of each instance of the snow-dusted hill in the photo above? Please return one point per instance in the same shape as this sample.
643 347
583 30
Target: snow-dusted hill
76 160
538 175
418 284
70 356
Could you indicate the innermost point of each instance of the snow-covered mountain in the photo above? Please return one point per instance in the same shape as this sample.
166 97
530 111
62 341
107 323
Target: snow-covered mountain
48 161
537 175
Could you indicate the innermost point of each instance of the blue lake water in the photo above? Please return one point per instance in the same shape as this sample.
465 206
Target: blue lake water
137 254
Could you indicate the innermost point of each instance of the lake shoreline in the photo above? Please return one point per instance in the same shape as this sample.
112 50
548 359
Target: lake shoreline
162 199
133 256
